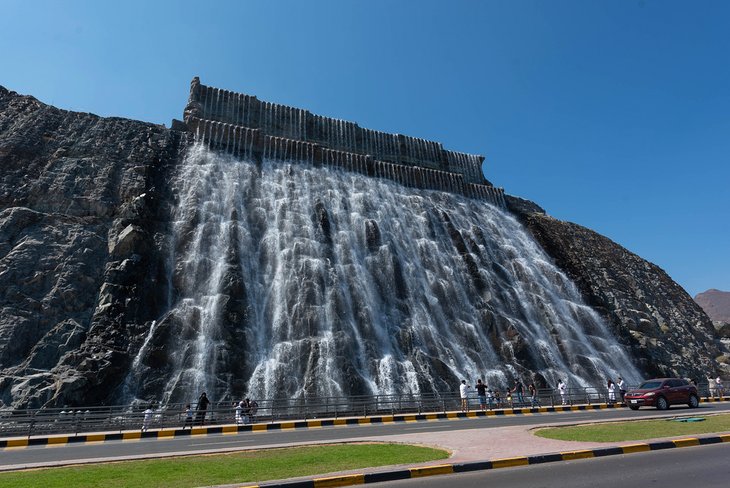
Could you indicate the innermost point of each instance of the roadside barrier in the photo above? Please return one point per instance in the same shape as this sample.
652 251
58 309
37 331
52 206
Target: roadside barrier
56 440
120 418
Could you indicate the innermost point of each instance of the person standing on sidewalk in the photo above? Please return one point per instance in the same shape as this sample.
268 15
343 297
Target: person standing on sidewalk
490 398
621 388
464 394
238 407
147 418
561 390
534 400
482 394
518 390
611 392
202 407
188 417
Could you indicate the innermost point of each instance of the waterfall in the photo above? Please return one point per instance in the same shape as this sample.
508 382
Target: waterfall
294 280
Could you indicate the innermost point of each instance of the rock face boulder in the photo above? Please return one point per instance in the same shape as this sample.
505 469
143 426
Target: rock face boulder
80 204
666 331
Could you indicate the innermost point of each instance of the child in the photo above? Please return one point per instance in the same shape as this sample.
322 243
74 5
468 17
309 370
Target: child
188 417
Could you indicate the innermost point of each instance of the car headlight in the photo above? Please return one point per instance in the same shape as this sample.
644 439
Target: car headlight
651 393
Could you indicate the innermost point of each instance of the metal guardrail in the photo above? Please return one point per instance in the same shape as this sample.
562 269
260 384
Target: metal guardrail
173 416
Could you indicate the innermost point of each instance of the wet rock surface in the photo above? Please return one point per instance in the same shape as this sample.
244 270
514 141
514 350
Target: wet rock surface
85 216
665 330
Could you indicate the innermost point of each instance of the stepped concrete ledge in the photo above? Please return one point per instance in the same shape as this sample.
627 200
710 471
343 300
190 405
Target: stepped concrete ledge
245 126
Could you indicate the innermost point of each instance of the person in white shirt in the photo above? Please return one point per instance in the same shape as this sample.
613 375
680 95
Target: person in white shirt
238 407
147 418
611 392
464 394
621 388
561 389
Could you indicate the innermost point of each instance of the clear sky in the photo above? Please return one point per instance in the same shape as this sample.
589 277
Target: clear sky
611 114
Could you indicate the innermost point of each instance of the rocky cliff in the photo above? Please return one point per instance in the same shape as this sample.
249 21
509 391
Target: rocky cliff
653 316
84 215
79 259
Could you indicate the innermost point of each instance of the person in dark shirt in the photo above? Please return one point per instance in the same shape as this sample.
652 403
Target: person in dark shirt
482 394
517 390
202 407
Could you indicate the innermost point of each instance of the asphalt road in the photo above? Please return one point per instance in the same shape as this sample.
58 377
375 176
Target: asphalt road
702 466
200 444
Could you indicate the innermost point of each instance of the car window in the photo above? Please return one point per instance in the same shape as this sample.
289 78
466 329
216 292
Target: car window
673 383
650 385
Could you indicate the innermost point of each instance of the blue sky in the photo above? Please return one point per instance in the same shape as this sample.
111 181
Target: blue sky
611 114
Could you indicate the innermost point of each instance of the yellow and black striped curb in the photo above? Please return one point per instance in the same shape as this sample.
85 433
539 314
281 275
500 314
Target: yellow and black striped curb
359 479
300 424
279 426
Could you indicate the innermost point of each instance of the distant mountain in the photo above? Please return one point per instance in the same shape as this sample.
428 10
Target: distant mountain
716 304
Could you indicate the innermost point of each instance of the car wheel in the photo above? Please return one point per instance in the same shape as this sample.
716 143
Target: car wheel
694 402
634 407
662 403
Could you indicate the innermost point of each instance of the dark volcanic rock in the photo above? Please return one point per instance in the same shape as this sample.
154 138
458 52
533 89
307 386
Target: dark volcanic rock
78 268
664 328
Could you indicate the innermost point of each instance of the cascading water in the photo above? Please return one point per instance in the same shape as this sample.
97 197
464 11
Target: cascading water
293 280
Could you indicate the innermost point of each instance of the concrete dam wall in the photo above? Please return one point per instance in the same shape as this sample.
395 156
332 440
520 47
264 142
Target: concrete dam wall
243 125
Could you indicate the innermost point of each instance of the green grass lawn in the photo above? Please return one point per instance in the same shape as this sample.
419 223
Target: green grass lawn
237 467
635 430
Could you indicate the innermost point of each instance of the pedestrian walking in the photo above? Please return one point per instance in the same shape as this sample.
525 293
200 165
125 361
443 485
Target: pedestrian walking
482 394
202 408
464 394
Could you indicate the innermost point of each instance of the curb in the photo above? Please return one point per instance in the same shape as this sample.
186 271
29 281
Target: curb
441 469
21 442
